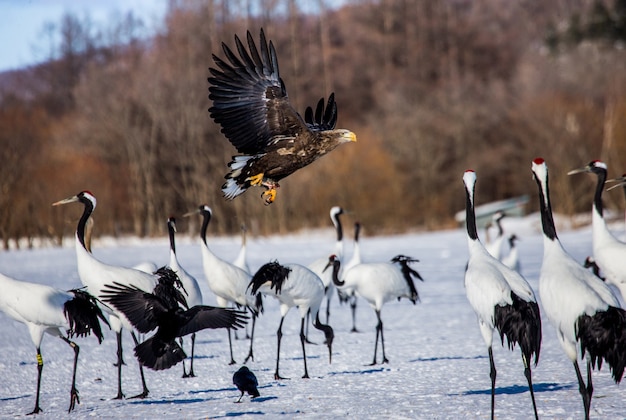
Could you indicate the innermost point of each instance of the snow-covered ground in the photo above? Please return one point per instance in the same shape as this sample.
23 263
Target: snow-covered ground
438 365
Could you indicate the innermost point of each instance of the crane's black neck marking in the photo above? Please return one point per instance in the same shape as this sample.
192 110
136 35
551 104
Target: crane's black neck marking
545 208
357 230
470 216
206 218
170 229
82 223
338 226
597 200
334 261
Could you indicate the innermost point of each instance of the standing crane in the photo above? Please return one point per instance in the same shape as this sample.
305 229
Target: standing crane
293 285
190 286
582 308
350 296
95 274
228 282
318 265
501 298
44 309
378 283
608 251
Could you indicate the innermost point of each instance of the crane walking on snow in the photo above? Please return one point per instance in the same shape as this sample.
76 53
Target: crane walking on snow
582 308
501 298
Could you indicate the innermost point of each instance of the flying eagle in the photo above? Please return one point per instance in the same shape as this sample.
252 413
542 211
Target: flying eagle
250 103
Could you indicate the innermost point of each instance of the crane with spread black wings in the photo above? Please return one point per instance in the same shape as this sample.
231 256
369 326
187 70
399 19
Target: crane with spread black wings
250 103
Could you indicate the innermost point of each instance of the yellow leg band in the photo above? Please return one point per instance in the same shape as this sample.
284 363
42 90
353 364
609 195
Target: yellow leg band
39 359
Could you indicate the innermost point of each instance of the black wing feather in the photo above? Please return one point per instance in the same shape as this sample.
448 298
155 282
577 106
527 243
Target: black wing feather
201 316
325 117
142 309
249 98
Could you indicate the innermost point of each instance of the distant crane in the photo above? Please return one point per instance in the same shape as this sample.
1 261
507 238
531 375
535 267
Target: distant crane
501 298
242 258
582 308
293 285
190 285
511 259
44 309
378 283
95 274
494 246
166 311
591 263
350 296
608 251
246 381
318 265
228 282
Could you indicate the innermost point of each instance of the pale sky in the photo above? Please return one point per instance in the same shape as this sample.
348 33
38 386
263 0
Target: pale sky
22 39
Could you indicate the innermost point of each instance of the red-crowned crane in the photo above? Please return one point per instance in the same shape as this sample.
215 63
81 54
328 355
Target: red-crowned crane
293 285
95 274
228 282
378 283
318 265
621 182
511 259
608 251
501 298
242 258
350 296
582 308
166 310
190 286
494 246
44 309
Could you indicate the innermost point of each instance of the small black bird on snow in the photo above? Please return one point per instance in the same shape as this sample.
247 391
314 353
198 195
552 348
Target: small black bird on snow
245 381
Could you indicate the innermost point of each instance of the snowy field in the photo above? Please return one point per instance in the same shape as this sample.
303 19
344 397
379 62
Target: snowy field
438 365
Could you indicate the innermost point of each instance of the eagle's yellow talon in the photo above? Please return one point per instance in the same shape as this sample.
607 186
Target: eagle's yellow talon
269 196
256 179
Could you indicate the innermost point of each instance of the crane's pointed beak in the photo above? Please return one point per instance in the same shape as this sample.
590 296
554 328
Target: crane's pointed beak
579 170
330 354
68 200
620 182
191 213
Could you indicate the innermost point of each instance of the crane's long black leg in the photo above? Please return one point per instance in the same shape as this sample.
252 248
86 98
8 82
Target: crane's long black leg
528 374
492 375
193 349
328 296
185 375
584 390
382 337
230 345
250 353
353 309
302 340
120 362
37 409
74 398
378 329
279 335
145 391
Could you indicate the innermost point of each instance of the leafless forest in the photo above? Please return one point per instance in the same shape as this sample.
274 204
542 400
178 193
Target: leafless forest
431 88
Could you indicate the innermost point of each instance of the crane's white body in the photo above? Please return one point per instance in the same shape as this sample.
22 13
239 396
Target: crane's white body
38 306
302 289
567 291
228 282
242 258
377 283
190 284
609 253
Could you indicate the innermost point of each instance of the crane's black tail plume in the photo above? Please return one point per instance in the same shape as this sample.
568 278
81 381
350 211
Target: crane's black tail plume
158 354
407 271
83 313
603 336
271 272
520 322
